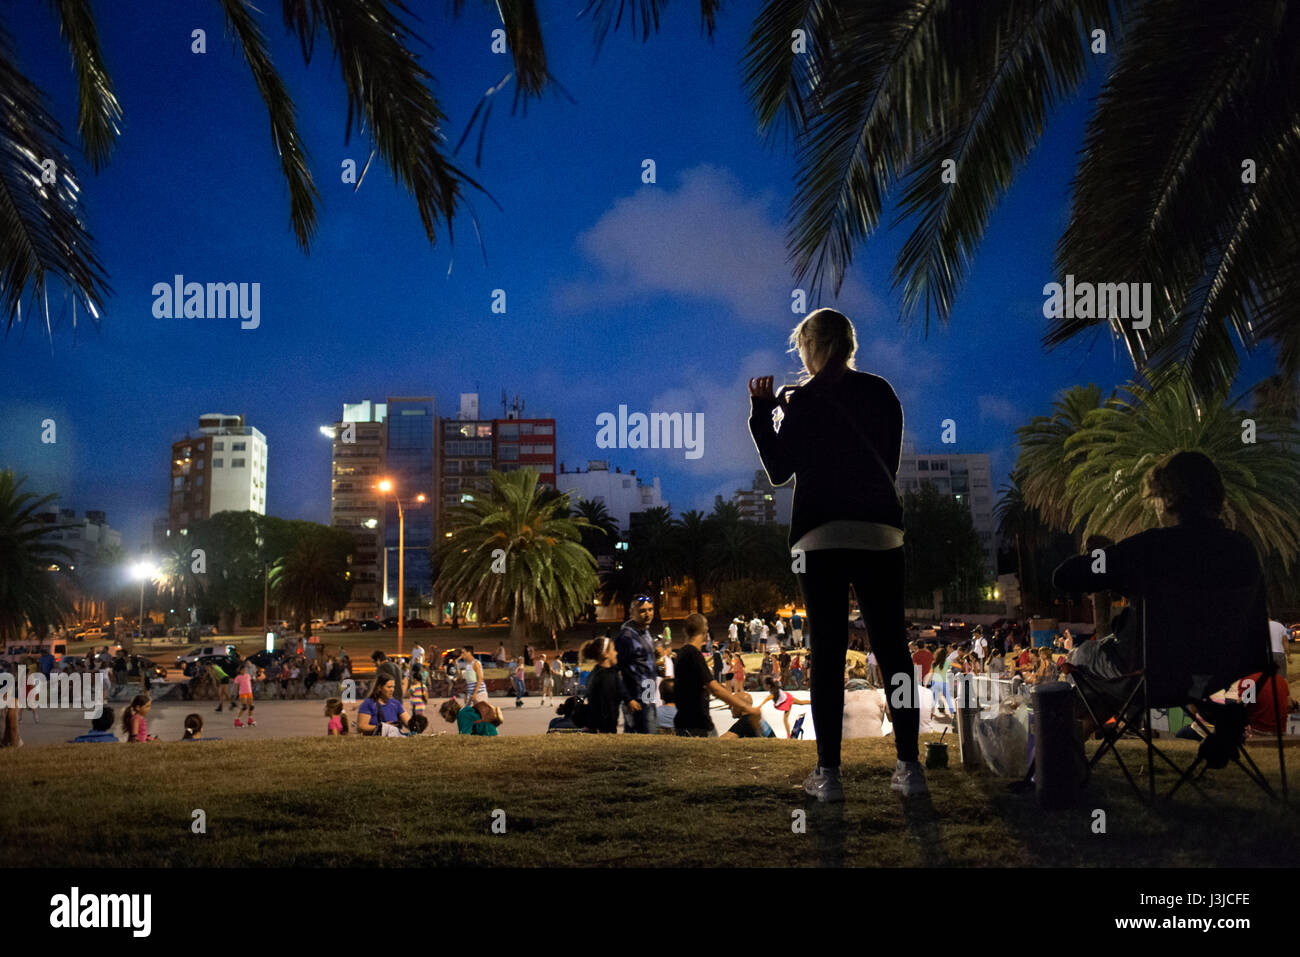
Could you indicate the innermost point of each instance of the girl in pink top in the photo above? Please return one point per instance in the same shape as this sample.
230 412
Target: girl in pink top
338 723
244 688
133 722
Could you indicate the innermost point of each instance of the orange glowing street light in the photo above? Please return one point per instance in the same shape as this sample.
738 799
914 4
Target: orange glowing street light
386 486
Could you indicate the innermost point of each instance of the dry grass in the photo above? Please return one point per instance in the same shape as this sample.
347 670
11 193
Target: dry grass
581 801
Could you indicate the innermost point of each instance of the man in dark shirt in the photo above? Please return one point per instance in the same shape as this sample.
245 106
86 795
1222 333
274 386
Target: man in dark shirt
695 682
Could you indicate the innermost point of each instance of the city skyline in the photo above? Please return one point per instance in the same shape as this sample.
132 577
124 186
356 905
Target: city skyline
664 296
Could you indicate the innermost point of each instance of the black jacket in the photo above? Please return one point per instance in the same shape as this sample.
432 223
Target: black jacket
836 476
604 695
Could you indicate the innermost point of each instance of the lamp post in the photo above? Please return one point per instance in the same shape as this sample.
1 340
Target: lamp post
142 571
386 486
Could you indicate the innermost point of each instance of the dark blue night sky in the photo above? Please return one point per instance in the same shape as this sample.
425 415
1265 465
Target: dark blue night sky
661 297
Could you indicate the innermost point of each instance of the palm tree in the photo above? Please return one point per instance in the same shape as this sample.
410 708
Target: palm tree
389 101
888 91
650 551
176 574
1020 522
30 584
692 534
314 575
104 578
601 534
1044 465
1122 440
510 555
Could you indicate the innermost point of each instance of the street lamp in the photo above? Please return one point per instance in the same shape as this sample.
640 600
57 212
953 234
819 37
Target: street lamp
386 486
142 571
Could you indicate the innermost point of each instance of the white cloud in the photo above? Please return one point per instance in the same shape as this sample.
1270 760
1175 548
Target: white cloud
995 408
707 240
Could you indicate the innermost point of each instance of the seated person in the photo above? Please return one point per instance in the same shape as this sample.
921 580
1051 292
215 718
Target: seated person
865 713
1191 548
565 719
480 719
666 713
101 730
1263 716
747 725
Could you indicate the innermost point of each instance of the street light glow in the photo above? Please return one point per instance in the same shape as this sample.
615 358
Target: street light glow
142 570
327 431
384 485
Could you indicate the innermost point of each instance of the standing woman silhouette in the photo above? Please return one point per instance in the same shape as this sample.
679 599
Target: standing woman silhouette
839 435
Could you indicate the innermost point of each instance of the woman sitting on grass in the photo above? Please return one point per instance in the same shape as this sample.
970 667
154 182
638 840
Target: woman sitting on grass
133 719
381 708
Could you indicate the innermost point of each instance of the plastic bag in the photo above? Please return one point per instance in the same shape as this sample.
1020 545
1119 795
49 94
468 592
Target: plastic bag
1004 739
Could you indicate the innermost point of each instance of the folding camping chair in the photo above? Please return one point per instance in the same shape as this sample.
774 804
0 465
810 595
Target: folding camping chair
797 730
1195 641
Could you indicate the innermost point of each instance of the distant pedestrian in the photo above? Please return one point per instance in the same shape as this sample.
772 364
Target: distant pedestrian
548 683
417 689
520 688
472 671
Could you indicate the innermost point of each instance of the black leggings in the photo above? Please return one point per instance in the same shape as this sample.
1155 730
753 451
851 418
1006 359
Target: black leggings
877 579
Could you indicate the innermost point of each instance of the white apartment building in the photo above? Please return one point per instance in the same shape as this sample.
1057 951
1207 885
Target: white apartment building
622 493
964 476
239 459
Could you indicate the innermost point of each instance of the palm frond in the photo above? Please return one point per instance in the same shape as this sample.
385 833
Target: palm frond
284 126
43 235
98 112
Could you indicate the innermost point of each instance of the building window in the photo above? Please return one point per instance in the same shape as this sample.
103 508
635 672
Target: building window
238 446
198 464
485 431
923 466
218 446
525 428
543 430
508 430
178 482
508 453
217 463
238 463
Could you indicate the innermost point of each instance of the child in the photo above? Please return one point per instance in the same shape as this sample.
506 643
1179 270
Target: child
417 691
133 719
519 682
604 689
338 720
418 724
244 688
194 729
480 719
667 712
748 724
693 684
782 699
100 733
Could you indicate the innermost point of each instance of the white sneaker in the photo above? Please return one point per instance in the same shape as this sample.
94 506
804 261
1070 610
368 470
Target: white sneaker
824 785
909 778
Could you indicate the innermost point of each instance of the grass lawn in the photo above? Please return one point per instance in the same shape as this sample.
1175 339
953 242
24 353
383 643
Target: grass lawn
584 801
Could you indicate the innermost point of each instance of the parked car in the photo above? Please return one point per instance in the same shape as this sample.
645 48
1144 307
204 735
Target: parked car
334 626
225 662
417 623
93 634
369 624
202 651
485 659
388 623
